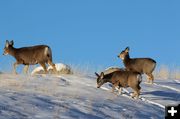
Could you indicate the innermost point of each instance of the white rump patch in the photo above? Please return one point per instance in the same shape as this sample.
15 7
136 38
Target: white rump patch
46 50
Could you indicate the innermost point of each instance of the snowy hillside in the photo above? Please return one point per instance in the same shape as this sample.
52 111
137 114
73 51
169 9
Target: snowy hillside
73 97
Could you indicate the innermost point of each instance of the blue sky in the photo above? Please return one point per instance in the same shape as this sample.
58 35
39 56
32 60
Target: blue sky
93 31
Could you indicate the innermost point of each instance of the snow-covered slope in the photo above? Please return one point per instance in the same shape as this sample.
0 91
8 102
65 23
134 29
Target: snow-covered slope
73 97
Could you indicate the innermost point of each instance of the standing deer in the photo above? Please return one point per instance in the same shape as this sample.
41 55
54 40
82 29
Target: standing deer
40 54
141 65
121 79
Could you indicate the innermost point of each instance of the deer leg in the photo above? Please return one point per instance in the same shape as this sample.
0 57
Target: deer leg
26 67
44 67
135 94
114 86
120 90
136 91
53 66
14 67
150 78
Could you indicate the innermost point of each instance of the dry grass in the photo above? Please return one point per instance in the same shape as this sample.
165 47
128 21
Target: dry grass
84 69
29 84
175 74
161 72
167 72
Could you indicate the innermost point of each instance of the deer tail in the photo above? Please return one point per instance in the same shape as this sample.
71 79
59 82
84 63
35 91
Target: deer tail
48 53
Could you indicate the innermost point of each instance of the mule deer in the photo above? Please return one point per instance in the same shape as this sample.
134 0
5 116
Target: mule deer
40 54
141 65
121 79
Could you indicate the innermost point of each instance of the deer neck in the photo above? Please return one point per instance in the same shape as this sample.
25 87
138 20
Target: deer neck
12 51
108 78
126 60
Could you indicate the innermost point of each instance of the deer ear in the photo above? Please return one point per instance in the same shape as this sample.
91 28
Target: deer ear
97 74
7 44
102 75
127 49
11 43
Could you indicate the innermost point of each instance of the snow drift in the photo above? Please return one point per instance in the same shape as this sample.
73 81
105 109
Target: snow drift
61 69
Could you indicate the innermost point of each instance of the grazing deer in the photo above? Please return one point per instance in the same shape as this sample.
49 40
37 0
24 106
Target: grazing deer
121 79
40 54
141 65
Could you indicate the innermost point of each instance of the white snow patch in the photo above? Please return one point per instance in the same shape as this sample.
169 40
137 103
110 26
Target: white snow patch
128 95
169 87
177 81
61 68
37 70
104 88
151 102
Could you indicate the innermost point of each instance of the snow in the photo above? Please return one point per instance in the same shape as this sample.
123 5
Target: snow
72 97
37 70
61 68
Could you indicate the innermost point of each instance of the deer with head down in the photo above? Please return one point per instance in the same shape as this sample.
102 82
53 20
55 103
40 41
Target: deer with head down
141 65
121 79
39 54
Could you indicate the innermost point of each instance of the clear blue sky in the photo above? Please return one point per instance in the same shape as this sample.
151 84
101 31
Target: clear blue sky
93 31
